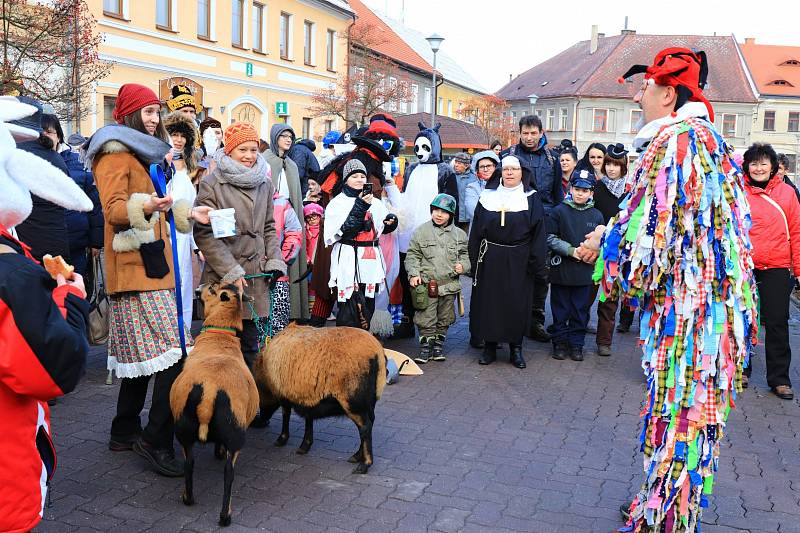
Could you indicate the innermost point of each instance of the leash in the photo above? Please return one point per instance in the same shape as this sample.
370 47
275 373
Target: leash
263 326
160 185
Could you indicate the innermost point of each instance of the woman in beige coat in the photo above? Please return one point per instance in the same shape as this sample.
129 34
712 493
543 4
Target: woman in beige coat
241 181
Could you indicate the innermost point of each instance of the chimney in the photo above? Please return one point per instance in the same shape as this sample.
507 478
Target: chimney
628 32
601 35
593 42
510 77
749 40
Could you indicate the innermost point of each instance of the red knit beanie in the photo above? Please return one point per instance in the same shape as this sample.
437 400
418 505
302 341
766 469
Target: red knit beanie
237 133
131 98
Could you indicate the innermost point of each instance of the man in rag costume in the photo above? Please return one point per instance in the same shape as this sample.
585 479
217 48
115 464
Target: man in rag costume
679 250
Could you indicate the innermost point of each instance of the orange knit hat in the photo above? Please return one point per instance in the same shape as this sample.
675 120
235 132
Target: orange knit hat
237 133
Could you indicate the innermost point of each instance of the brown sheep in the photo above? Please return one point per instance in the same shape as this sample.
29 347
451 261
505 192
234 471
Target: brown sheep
215 396
322 372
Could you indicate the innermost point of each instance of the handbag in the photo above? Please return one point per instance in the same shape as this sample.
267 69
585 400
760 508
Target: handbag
99 304
155 263
419 297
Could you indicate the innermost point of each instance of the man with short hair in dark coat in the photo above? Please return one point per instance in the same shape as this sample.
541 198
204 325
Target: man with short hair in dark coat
542 162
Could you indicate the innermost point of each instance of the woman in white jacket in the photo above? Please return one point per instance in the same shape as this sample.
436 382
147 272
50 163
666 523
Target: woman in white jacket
353 223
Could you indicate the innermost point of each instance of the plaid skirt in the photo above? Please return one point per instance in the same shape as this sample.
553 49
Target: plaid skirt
143 334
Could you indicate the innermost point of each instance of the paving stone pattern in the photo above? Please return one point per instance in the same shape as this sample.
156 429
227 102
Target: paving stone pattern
464 447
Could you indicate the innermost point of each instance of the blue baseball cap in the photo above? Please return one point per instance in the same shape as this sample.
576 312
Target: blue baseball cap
582 179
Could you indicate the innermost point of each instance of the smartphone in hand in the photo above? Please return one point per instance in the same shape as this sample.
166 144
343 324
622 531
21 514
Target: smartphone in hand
366 190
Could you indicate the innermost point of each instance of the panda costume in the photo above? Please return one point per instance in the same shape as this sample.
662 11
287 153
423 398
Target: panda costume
423 180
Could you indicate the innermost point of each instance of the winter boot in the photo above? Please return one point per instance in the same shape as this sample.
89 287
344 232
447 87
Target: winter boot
538 332
424 350
576 353
516 356
560 351
489 354
438 348
603 350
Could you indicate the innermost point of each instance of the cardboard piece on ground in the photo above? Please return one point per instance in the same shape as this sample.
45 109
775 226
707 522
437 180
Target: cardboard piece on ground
410 368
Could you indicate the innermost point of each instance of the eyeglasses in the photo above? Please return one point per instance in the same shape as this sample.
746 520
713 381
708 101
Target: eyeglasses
486 167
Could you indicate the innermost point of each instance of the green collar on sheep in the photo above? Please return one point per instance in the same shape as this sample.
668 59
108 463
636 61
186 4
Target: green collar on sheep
218 329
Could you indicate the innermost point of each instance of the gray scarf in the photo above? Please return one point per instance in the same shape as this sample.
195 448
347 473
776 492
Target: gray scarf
146 148
235 173
615 187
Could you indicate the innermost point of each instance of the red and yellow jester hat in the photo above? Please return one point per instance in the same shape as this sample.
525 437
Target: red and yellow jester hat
680 68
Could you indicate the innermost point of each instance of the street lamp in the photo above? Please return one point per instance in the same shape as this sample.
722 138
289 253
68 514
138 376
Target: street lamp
435 41
532 98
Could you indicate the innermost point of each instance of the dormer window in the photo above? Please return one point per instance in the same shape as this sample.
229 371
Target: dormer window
781 83
791 63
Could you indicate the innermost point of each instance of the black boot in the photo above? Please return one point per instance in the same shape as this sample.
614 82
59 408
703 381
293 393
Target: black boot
476 342
560 351
516 356
576 353
317 321
424 350
538 332
438 348
489 354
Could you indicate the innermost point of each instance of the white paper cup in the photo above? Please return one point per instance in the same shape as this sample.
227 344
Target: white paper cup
223 222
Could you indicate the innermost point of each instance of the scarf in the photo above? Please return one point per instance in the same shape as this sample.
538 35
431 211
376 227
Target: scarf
615 187
146 148
238 175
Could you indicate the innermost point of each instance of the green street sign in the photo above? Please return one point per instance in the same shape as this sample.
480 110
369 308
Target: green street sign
248 69
281 108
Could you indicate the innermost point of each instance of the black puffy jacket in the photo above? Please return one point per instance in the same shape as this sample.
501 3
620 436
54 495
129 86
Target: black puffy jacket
85 229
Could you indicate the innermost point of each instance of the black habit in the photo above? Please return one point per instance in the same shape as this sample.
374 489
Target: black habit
505 261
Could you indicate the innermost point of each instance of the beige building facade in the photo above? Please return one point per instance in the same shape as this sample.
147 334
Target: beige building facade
253 61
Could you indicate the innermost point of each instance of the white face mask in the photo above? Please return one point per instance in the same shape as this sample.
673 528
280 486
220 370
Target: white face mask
422 147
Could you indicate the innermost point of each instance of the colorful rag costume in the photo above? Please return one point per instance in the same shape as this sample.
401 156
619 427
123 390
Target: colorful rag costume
679 250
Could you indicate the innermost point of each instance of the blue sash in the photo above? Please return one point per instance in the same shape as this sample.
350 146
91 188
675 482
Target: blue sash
160 184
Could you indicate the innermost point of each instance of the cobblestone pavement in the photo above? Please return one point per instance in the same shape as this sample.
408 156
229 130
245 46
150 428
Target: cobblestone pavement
464 447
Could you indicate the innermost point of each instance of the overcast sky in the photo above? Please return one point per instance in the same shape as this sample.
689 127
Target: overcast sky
494 38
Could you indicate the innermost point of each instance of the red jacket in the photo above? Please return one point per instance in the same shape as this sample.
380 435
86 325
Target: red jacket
42 355
773 246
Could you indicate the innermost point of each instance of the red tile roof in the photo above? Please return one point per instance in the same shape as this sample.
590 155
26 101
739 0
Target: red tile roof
454 133
768 64
390 44
576 72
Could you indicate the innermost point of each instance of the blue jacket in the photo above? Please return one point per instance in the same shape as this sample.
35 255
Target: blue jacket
463 181
85 229
302 153
543 164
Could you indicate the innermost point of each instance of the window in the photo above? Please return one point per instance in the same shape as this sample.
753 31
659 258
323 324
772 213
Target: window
782 83
600 120
359 75
330 51
449 108
108 110
636 117
258 27
237 23
791 168
563 115
794 121
729 124
414 96
306 128
391 105
163 9
791 63
286 30
204 18
550 125
538 113
308 43
440 105
427 101
112 7
328 126
769 120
